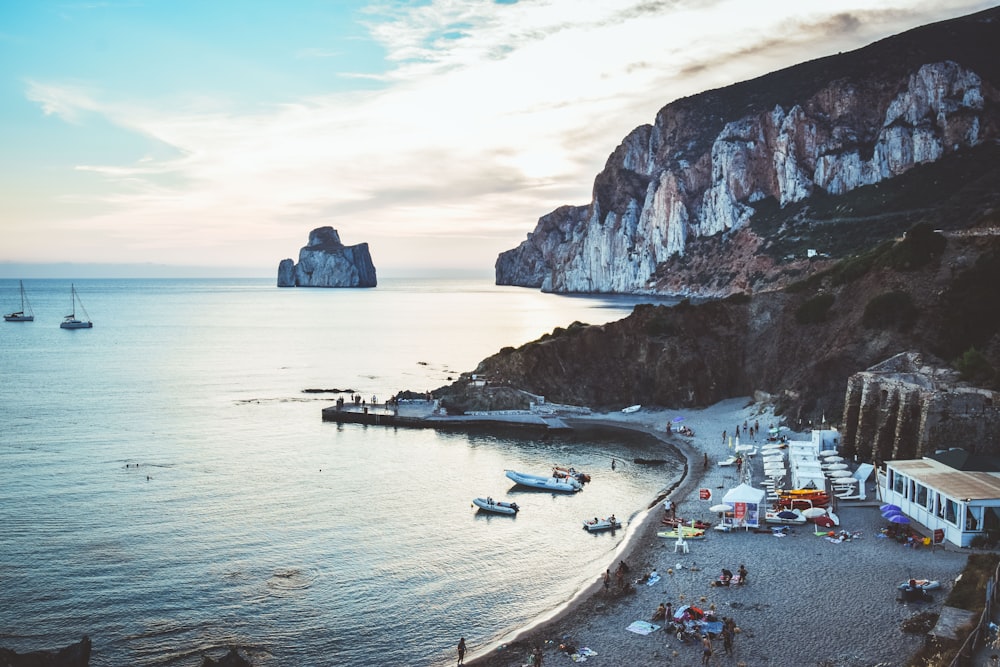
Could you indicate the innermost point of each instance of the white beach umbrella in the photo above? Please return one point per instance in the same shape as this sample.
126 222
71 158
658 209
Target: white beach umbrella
720 507
813 512
828 452
833 459
835 466
839 473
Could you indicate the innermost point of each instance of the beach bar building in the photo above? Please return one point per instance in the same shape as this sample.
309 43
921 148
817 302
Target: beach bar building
961 503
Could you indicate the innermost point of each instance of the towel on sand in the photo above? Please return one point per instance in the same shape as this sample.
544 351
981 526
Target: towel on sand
582 655
642 627
653 578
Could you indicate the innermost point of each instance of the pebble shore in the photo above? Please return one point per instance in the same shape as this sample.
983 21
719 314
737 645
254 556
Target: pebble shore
808 600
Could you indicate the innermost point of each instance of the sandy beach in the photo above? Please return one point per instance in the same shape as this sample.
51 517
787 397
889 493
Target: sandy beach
807 601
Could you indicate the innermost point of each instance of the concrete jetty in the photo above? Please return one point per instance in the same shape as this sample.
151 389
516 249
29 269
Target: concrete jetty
429 414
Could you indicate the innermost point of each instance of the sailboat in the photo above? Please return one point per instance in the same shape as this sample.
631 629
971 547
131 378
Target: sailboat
71 321
23 315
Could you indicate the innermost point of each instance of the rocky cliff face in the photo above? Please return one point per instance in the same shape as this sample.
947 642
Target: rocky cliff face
326 262
708 165
924 294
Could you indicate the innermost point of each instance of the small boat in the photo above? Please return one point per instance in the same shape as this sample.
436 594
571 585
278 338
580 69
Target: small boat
802 499
496 506
71 321
597 525
562 471
687 532
922 584
632 408
728 462
23 315
562 485
785 517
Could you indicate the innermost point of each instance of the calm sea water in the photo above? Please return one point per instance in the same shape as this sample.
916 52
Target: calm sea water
167 488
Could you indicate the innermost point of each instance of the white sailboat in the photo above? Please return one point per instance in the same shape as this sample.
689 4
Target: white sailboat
71 321
23 315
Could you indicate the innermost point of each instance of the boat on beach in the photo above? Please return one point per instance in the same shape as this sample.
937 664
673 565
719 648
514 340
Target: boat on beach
487 504
597 525
551 483
785 517
23 315
71 321
687 532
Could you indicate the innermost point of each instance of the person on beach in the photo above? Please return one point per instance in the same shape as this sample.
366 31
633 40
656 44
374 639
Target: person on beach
607 579
613 463
727 576
661 613
727 635
461 650
537 656
743 574
706 649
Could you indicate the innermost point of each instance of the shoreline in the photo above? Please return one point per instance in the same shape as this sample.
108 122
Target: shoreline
803 581
638 530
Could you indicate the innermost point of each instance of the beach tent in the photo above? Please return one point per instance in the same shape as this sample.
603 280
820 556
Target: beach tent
748 507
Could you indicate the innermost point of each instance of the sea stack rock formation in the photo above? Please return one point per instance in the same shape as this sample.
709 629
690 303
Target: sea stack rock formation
326 262
739 189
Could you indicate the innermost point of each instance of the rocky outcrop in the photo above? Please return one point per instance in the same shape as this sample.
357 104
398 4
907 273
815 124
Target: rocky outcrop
710 163
326 262
231 659
74 655
908 408
927 293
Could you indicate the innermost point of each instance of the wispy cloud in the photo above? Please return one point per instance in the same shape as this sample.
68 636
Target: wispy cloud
490 116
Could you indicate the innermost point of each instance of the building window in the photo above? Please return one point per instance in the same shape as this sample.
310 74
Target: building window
922 495
951 513
897 483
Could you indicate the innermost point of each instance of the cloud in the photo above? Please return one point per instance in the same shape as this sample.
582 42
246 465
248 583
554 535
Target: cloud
490 116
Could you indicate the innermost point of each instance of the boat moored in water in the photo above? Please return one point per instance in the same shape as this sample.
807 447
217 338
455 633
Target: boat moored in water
597 525
487 504
561 485
23 315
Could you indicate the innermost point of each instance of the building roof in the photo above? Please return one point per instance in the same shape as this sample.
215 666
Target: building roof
959 484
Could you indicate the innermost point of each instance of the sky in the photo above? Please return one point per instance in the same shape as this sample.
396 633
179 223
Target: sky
188 137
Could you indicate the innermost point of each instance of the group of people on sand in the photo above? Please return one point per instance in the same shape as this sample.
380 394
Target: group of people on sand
727 578
683 430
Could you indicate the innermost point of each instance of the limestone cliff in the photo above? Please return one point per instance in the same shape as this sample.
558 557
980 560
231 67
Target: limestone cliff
326 262
680 206
933 294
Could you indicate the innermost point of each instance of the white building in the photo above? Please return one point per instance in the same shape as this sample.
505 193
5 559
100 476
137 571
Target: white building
961 503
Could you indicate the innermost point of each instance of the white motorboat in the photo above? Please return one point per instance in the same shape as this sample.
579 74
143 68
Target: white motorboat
785 517
487 504
547 483
596 525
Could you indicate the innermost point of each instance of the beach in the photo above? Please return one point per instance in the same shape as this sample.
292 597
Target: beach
808 600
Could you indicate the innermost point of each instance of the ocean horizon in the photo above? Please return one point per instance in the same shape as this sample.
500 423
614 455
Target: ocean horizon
169 488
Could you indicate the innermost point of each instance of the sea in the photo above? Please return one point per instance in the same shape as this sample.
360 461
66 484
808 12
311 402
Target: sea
168 486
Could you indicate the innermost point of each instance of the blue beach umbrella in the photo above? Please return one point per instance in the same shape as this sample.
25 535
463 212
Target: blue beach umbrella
898 518
678 419
889 506
890 513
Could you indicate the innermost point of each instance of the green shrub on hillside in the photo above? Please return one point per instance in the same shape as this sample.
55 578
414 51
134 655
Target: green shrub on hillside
975 367
891 309
920 245
815 309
